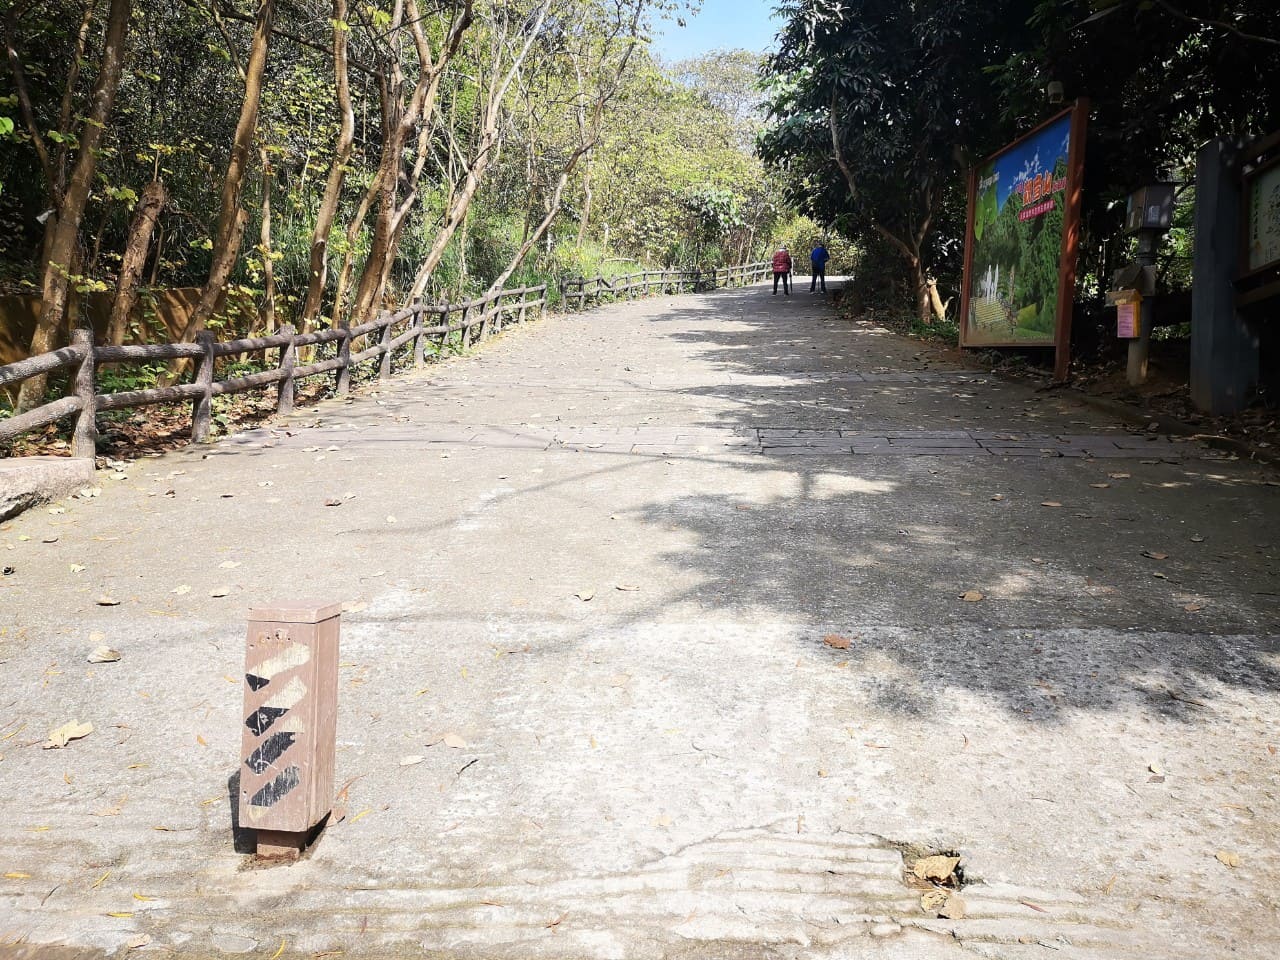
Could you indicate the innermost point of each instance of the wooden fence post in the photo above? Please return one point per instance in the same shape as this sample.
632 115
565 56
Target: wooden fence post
384 365
444 337
288 360
202 406
419 358
466 332
85 442
344 354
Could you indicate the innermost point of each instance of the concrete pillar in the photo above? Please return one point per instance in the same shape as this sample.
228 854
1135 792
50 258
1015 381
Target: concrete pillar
1224 352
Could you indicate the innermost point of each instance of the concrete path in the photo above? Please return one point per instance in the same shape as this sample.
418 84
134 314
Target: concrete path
604 554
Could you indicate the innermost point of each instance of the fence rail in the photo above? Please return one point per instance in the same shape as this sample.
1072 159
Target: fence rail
475 320
585 290
378 339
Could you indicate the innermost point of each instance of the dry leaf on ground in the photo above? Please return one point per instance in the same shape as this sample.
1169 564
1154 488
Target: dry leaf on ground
998 497
585 595
1155 555
64 734
454 741
627 588
1227 859
219 591
938 867
972 596
837 641
411 761
1193 607
1050 503
103 654
182 589
933 900
105 601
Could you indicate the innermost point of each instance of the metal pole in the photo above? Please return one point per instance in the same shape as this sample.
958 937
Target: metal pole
1140 346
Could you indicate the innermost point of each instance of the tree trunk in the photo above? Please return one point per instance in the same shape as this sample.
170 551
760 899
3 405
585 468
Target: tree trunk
145 215
401 120
231 218
920 284
337 172
268 313
55 283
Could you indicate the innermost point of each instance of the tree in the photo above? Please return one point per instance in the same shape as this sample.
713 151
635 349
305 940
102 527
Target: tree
70 196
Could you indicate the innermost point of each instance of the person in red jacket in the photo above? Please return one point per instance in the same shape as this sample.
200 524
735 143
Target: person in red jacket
782 270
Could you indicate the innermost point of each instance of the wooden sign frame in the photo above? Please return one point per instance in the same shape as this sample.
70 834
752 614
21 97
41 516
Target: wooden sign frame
1061 339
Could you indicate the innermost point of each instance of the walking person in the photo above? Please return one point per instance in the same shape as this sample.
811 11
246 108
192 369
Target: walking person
818 259
782 271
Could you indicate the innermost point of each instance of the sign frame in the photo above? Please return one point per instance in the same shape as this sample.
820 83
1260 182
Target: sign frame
1069 246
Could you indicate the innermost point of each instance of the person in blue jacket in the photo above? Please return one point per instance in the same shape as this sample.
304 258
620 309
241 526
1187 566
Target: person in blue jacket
819 259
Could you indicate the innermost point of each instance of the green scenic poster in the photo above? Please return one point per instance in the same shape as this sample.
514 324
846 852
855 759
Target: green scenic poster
1016 246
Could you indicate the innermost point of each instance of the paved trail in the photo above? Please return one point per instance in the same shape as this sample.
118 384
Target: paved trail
678 766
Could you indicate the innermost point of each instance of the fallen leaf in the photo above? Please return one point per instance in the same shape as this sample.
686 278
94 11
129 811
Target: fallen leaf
837 641
391 519
229 564
142 898
219 592
933 900
103 655
454 741
182 589
953 909
1197 539
1119 476
585 595
1101 486
1193 607
972 596
141 940
1036 908
363 813
280 950
333 503
998 497
627 588
105 601
77 568
558 920
938 867
120 914
1228 859
411 761
17 875
100 881
1154 555
64 734
1037 560
1050 503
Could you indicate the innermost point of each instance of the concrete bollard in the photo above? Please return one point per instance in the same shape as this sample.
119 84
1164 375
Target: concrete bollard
290 722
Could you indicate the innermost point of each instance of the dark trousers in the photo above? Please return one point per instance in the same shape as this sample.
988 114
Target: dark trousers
819 273
786 282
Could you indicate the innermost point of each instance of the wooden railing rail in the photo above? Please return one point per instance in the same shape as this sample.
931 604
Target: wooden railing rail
473 322
579 292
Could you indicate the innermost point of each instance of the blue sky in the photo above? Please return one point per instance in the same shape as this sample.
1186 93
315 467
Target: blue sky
720 25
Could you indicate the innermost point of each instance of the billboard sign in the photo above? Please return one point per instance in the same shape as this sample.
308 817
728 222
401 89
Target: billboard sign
1020 247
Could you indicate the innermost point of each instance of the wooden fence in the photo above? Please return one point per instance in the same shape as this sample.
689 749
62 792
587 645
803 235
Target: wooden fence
581 292
475 321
